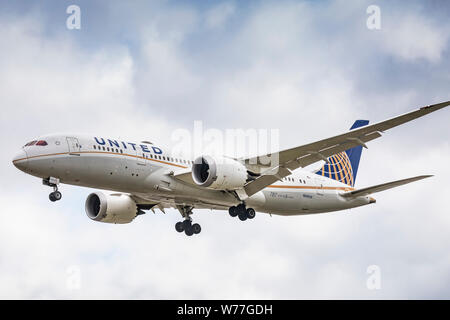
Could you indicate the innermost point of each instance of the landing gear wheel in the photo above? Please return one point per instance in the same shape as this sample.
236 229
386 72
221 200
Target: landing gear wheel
241 209
233 211
55 196
179 226
189 231
251 213
196 228
187 224
242 217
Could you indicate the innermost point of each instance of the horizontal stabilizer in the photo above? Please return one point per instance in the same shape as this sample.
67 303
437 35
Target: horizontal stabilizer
381 187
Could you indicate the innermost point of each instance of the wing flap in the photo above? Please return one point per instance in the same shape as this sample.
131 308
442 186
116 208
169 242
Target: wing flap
267 178
382 187
277 173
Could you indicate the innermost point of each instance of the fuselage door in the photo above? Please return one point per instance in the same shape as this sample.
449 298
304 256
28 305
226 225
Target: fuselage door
319 186
74 145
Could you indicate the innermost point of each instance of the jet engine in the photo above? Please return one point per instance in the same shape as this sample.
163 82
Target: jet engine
113 208
219 173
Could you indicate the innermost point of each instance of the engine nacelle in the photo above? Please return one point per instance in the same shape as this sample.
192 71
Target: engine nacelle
114 208
219 173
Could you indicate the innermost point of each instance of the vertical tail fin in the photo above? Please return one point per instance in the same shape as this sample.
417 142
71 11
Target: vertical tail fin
343 166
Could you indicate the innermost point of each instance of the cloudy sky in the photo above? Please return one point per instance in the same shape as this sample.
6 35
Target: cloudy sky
307 68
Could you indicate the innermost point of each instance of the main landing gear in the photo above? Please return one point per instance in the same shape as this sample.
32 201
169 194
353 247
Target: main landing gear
187 226
53 182
242 212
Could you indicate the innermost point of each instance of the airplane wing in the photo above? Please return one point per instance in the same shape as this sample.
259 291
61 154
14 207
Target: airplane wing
381 187
146 202
305 155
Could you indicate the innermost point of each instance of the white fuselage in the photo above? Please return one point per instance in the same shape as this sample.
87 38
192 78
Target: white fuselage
146 171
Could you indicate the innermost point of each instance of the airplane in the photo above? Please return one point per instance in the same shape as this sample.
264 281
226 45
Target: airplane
143 176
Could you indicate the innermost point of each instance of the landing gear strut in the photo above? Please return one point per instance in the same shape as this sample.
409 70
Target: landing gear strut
187 226
242 212
53 182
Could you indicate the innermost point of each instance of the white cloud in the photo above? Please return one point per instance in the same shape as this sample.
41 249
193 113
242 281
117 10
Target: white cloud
52 85
412 37
217 16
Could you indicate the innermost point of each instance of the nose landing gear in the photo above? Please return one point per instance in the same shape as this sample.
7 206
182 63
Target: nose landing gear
242 212
187 226
53 182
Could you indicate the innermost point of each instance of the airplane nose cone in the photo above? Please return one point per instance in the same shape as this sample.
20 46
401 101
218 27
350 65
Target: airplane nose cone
20 161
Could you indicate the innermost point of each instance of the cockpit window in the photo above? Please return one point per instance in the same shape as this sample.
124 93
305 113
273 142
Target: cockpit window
31 143
41 143
36 143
